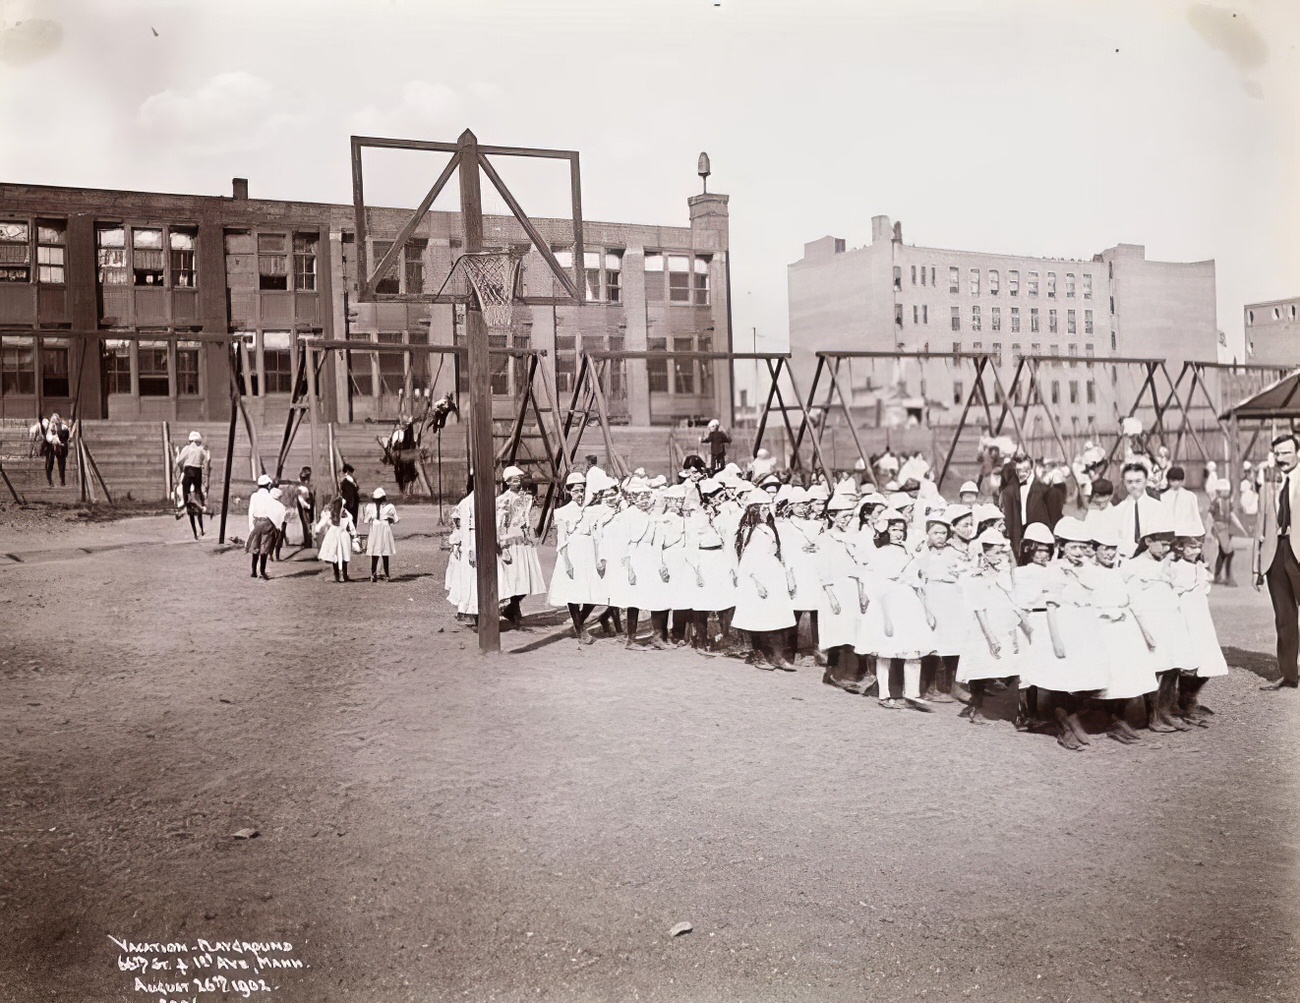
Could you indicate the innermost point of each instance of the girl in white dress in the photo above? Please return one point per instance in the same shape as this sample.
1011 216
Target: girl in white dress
635 571
940 566
380 514
681 576
896 624
999 636
838 611
764 586
575 558
1084 671
463 593
711 564
1033 589
1191 580
519 570
800 540
604 502
339 531
1153 598
1126 648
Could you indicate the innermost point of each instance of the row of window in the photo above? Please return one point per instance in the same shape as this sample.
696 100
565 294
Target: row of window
152 368
1025 393
21 244
995 319
131 255
1277 313
995 281
1035 348
18 366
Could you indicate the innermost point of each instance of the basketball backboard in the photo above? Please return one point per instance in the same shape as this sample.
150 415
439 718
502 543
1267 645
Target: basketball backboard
568 287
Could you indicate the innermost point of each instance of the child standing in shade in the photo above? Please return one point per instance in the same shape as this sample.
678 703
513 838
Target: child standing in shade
381 514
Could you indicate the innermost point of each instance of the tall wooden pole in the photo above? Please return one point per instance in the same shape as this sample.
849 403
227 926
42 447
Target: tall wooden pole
480 410
311 402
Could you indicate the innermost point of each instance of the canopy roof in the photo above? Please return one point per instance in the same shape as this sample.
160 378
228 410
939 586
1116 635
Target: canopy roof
1278 400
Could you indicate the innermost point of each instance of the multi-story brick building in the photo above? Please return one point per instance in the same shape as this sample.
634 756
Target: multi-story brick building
890 296
1273 332
123 300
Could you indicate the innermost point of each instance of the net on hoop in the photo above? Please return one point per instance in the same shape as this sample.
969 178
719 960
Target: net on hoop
493 274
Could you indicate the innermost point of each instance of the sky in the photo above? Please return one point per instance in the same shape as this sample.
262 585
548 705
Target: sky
1037 127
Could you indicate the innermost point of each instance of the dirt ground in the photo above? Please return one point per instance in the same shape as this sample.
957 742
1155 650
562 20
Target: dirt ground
435 825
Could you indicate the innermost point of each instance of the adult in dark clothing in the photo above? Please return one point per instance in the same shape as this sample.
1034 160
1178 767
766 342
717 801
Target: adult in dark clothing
350 492
1027 499
717 440
1273 556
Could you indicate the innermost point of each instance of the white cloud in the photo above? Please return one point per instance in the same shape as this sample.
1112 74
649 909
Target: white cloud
421 109
229 112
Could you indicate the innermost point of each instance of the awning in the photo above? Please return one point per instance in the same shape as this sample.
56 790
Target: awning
1278 400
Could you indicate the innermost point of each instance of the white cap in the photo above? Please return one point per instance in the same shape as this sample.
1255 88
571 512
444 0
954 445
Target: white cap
276 492
510 472
377 494
657 481
992 538
675 491
957 512
988 511
714 423
1157 521
1037 532
1188 524
598 480
195 437
783 493
1072 530
1104 533
709 485
840 503
757 496
969 488
264 481
798 495
818 492
576 478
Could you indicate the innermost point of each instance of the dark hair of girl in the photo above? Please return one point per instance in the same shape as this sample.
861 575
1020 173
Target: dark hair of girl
751 520
336 510
1027 548
985 524
864 515
882 537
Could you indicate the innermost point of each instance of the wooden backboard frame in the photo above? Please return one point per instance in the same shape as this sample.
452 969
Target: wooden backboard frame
573 285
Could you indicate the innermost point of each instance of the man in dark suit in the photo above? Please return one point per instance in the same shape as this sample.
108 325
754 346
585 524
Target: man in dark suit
1026 498
1273 556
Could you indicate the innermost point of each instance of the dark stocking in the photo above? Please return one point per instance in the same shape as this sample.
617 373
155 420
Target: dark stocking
261 568
385 566
633 615
374 567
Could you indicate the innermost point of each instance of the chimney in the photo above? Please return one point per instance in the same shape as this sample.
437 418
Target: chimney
880 229
239 188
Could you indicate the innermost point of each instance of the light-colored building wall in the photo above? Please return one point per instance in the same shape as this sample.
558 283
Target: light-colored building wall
1273 332
891 296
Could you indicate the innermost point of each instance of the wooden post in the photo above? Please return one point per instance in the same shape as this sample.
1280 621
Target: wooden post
230 437
480 409
168 460
311 401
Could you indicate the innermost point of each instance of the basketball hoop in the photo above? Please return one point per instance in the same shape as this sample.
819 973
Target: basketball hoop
493 275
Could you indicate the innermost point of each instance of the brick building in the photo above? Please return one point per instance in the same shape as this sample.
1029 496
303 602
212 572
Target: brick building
1273 332
890 295
124 300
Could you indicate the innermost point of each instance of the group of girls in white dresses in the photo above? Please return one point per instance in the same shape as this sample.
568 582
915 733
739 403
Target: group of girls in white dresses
519 569
922 599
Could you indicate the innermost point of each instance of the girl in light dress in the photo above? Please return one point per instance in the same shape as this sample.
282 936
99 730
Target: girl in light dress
519 570
462 566
336 545
1033 589
800 539
940 566
1079 671
635 574
604 503
1122 639
999 633
1154 599
895 624
711 565
840 570
764 584
575 558
381 515
1191 581
681 577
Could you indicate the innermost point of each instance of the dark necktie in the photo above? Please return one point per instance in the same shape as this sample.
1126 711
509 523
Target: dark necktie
1137 520
1284 508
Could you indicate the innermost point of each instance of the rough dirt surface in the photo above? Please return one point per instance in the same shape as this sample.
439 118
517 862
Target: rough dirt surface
434 825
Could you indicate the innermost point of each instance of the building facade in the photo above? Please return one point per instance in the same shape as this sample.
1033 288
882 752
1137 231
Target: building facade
891 296
128 304
1273 332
